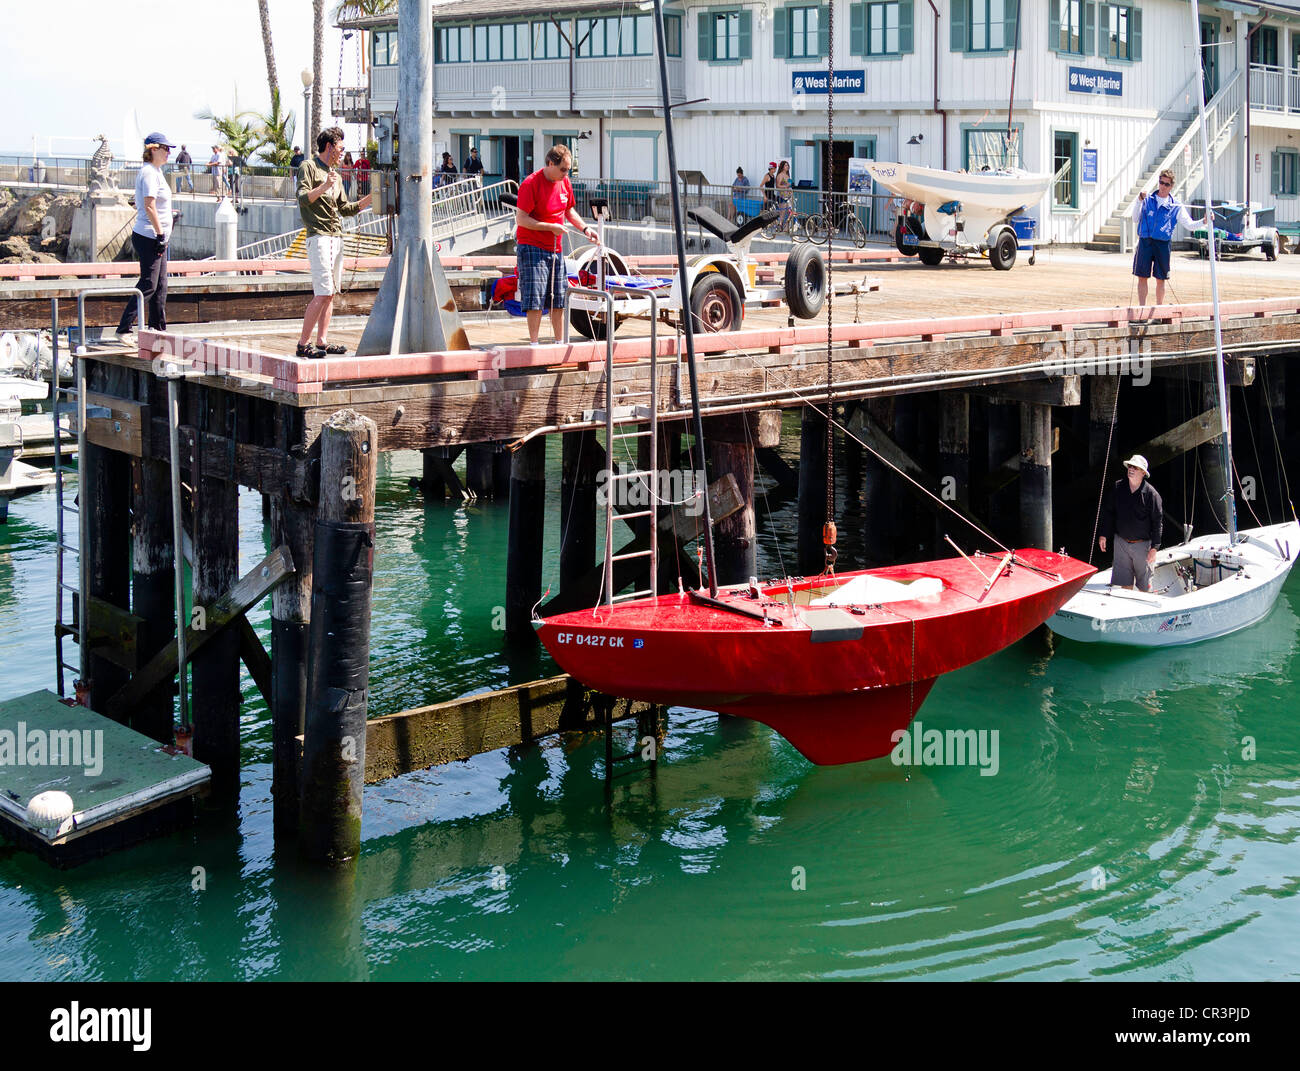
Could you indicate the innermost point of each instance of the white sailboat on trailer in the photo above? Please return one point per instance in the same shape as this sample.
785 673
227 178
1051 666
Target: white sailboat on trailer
1201 588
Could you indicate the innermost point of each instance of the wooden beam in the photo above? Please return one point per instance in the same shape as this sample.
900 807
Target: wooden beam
776 466
1187 436
462 728
1238 371
124 429
255 657
249 590
1058 390
1010 468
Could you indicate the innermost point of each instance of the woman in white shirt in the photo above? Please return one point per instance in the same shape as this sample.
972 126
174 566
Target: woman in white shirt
152 232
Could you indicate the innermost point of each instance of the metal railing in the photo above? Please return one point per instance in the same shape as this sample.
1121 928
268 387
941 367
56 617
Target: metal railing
1274 89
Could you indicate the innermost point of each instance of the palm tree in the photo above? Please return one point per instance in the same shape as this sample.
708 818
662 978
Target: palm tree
272 80
236 131
317 65
276 130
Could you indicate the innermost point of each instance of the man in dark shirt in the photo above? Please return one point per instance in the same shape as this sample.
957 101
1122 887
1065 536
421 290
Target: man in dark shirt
1133 518
473 165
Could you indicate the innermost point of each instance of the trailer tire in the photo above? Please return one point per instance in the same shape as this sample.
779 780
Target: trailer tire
1270 251
715 303
930 256
906 250
1002 253
805 282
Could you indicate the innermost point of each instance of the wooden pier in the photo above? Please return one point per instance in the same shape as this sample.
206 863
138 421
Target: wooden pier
995 391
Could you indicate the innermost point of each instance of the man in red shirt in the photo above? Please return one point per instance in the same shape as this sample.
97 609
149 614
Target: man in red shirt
545 206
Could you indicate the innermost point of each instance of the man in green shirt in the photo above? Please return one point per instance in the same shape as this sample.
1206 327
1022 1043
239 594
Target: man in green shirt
323 204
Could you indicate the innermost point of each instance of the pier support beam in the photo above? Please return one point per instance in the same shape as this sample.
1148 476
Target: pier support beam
105 495
812 491
153 587
293 524
480 472
1036 475
525 537
881 490
338 674
1003 441
215 668
731 441
1217 479
954 460
582 460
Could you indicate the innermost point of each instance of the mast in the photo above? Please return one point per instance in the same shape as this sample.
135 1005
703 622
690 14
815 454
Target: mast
687 318
1221 378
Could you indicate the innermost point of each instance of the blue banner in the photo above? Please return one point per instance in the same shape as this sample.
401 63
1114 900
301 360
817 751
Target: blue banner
1090 80
816 82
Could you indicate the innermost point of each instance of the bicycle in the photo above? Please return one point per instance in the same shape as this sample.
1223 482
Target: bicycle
788 221
839 217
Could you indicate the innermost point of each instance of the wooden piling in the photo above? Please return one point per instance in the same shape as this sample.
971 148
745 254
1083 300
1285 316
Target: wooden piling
480 472
338 675
525 537
1211 459
1036 475
731 450
581 461
954 461
153 596
1101 408
105 495
293 524
881 491
1003 443
812 491
432 484
215 668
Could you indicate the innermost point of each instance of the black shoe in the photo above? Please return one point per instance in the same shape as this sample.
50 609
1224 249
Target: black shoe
331 349
306 349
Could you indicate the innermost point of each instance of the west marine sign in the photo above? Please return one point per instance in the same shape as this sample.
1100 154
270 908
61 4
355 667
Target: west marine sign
1091 80
816 81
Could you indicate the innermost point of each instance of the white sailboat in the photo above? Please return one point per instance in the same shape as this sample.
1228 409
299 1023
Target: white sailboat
1202 588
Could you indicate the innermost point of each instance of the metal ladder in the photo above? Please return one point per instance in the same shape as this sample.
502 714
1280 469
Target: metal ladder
616 417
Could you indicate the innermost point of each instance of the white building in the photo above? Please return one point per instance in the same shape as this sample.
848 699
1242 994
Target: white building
1107 88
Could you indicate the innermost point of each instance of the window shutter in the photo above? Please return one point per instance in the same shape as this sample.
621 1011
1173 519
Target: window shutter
780 27
1053 26
705 36
957 26
857 29
1134 33
904 26
1008 24
1089 42
745 36
1275 182
823 31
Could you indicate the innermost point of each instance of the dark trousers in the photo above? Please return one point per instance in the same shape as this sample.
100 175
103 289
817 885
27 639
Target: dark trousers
152 284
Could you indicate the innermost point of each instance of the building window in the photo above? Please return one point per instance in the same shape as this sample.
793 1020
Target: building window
672 34
880 29
804 33
725 35
454 44
1285 182
990 150
1121 32
548 43
1065 191
1263 46
383 48
1068 26
629 35
988 25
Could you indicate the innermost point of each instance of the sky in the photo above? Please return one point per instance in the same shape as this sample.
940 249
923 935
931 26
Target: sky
71 69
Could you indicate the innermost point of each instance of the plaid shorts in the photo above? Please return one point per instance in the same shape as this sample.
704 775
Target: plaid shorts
542 278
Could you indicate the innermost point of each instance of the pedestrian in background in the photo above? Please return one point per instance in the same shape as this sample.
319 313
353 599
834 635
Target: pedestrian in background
348 169
150 236
184 165
1156 216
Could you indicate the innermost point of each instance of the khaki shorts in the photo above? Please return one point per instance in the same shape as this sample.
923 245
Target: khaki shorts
325 255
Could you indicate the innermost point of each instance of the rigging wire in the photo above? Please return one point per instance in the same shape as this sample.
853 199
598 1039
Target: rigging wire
1105 461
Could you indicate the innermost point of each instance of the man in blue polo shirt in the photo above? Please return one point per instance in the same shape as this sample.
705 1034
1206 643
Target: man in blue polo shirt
1156 216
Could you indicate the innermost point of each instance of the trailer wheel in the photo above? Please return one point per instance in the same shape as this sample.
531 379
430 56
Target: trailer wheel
930 256
906 250
1002 253
1270 251
805 282
715 303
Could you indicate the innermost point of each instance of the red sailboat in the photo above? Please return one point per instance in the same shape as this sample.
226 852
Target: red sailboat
835 664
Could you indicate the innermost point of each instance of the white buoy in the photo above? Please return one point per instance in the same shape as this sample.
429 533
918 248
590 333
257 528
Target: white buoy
47 811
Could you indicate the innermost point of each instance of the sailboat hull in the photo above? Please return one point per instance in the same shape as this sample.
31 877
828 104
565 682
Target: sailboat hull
834 680
1171 618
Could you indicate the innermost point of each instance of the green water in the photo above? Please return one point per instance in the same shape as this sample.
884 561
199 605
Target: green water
1123 836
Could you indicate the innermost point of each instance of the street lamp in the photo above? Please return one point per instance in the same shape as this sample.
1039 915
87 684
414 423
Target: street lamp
307 80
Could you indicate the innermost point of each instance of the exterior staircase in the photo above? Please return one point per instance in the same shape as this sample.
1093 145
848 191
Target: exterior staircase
1182 154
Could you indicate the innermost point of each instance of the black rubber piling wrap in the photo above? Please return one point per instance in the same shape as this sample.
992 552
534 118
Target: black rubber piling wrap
333 762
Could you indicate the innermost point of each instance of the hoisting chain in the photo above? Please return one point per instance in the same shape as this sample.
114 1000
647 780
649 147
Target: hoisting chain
829 533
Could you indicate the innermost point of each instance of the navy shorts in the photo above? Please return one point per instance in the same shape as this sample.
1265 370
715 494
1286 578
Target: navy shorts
542 278
1151 258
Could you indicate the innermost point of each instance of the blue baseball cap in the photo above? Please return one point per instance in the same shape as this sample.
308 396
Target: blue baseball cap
158 139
